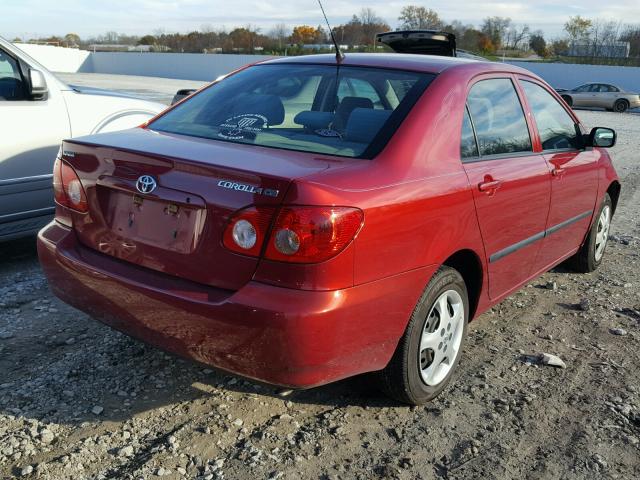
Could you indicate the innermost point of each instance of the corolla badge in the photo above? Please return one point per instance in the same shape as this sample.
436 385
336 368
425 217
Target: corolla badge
243 187
146 184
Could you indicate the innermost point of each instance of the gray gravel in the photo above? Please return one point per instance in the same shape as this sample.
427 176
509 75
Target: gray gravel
78 400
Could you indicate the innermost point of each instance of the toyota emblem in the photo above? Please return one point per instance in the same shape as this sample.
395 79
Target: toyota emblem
146 184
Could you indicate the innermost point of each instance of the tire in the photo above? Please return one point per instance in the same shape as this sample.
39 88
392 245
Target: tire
568 100
590 255
620 106
414 375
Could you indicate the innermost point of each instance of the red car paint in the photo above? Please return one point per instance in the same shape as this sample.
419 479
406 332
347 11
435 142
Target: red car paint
302 325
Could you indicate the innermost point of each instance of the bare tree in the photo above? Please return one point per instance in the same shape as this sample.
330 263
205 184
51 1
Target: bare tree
604 39
516 37
110 37
280 33
631 34
495 28
371 24
413 17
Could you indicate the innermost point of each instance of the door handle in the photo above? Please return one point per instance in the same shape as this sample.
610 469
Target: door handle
489 186
558 172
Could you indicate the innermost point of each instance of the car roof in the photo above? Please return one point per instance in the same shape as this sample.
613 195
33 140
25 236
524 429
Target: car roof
402 61
599 83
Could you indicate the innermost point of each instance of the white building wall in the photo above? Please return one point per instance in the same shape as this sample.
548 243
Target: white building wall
184 66
207 67
56 59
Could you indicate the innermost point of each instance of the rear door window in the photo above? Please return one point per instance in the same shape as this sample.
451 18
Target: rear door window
498 118
557 129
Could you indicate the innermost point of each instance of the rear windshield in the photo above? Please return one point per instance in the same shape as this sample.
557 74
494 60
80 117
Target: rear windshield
346 111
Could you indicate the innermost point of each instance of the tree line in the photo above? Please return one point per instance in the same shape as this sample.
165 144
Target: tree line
592 39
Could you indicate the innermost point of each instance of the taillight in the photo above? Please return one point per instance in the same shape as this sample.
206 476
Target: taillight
299 235
67 188
247 230
312 234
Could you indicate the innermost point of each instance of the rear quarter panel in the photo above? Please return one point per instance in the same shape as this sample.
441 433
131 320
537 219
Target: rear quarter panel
415 195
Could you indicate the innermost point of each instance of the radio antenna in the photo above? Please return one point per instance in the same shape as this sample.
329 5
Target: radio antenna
339 54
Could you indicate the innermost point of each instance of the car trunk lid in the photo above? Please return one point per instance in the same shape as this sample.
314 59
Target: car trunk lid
424 42
177 227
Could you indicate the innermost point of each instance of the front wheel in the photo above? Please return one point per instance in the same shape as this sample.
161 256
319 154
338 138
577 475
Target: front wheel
590 254
430 349
568 100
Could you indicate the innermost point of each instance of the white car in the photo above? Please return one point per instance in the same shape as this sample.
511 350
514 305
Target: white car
38 111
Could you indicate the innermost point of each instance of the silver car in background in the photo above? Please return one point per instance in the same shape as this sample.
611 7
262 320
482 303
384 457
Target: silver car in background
600 95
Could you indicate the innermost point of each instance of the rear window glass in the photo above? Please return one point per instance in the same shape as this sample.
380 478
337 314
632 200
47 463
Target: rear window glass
346 111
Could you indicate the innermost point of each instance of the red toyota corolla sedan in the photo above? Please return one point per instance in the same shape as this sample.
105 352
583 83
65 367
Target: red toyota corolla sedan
302 221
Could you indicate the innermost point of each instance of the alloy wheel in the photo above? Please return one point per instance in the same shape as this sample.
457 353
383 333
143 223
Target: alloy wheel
441 338
602 233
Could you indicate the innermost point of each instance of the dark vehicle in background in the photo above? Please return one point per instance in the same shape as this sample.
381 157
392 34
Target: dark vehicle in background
181 94
600 95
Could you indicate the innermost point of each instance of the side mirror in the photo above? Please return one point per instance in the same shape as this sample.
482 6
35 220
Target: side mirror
602 137
37 85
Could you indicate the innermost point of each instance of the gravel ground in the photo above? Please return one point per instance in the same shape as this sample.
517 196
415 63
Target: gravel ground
78 400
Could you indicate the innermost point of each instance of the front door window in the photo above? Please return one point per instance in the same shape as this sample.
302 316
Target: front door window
12 86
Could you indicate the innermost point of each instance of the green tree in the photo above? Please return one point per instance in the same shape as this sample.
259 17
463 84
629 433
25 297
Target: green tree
577 28
559 47
72 39
538 44
147 40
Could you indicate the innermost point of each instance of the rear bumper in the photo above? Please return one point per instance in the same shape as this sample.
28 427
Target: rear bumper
293 338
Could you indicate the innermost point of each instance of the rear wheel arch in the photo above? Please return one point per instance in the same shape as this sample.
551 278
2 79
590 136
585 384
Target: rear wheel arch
122 120
468 264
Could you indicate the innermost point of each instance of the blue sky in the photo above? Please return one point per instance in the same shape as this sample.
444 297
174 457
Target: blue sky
29 18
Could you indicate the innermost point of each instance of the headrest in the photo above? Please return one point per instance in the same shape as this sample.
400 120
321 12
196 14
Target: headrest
344 109
364 124
313 119
270 106
348 104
